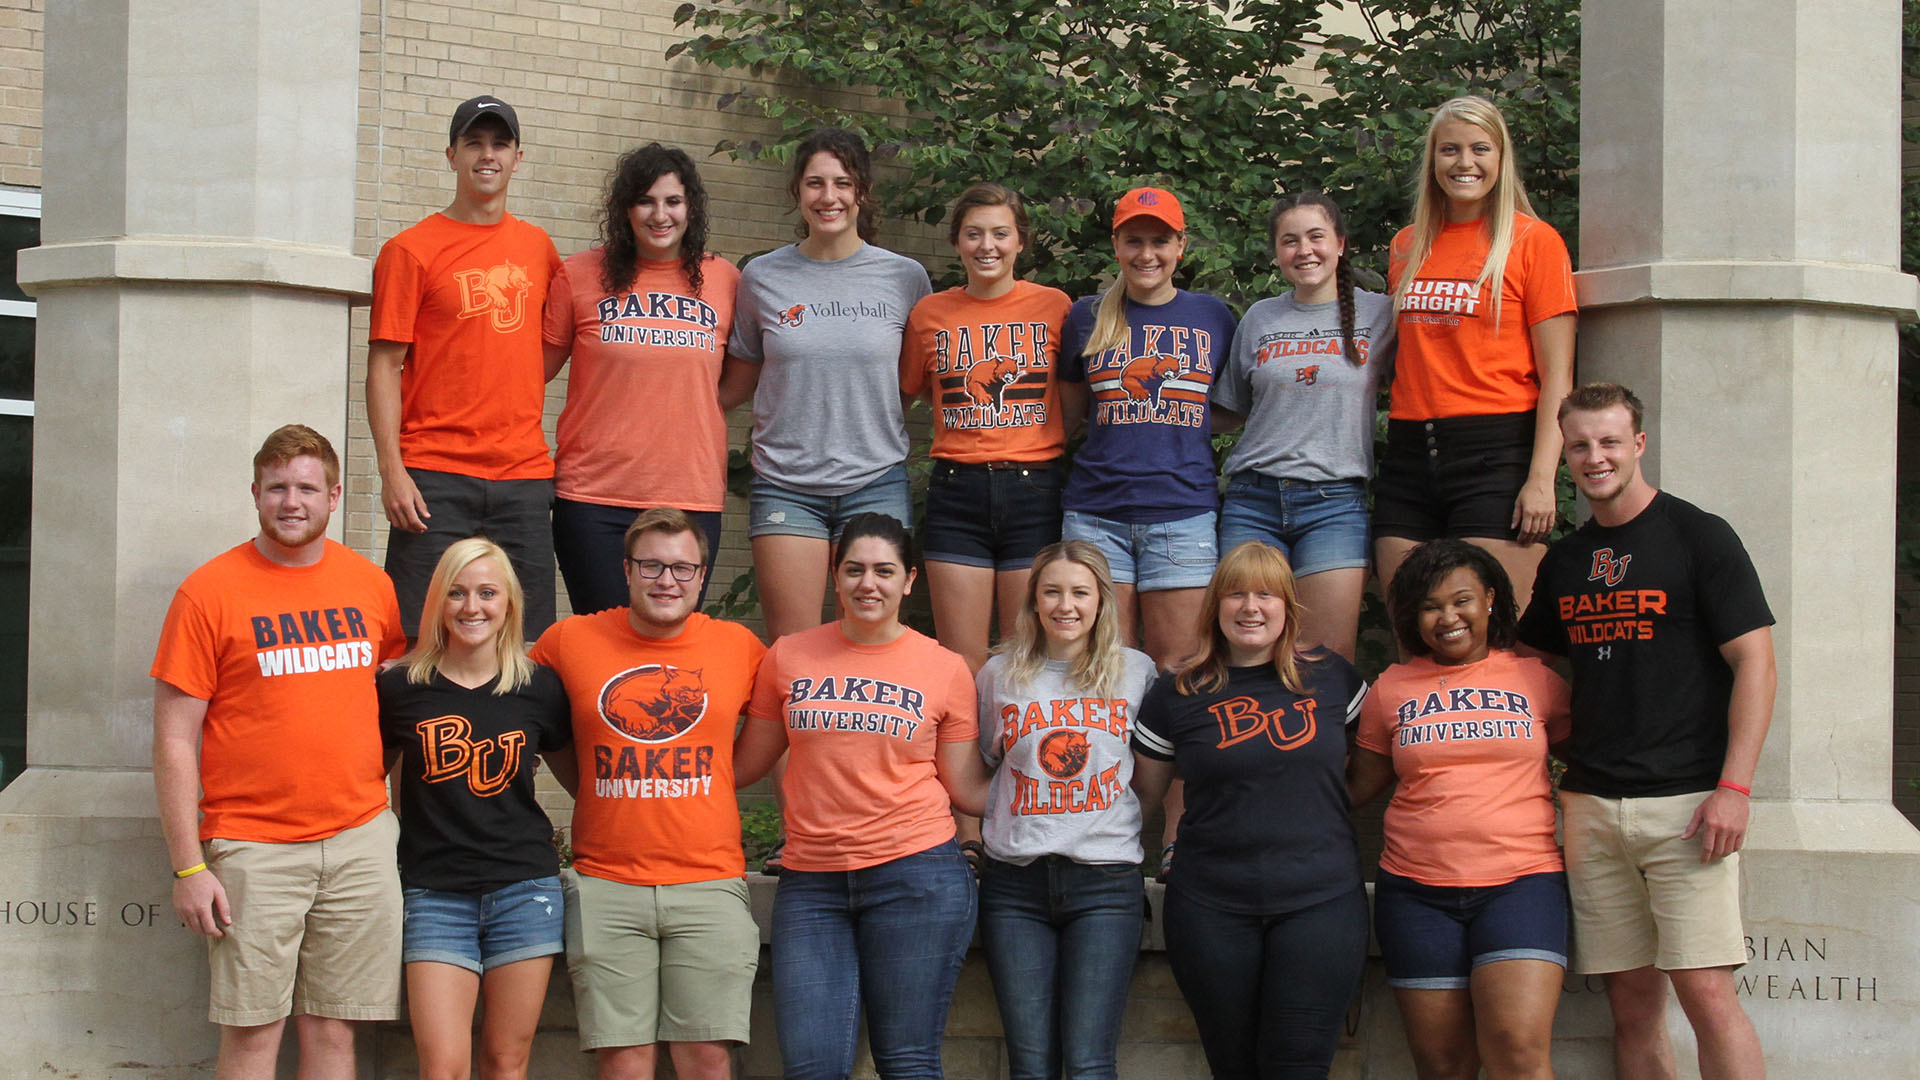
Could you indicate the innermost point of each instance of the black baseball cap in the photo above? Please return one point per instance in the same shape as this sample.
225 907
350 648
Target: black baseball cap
473 109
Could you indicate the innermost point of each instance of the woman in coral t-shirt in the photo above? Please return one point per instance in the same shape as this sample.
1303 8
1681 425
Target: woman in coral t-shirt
1470 906
1483 291
876 903
645 318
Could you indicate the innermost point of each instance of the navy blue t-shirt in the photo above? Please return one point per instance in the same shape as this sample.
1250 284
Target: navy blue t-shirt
1267 829
1148 457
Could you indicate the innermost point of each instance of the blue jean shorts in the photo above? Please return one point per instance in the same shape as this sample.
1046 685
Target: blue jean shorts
1433 936
777 511
996 515
480 933
1317 524
1164 555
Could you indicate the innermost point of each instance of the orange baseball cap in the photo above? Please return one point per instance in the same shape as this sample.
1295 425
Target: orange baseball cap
1156 203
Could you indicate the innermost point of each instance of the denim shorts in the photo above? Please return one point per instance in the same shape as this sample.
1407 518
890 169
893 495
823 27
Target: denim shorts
995 515
1455 476
1433 936
777 511
480 933
1165 555
1317 524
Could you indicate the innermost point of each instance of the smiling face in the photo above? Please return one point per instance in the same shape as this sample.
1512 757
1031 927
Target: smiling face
1251 620
474 610
870 581
659 218
1454 615
1466 166
294 502
988 246
659 606
1603 454
1066 598
829 198
483 159
1307 249
1148 251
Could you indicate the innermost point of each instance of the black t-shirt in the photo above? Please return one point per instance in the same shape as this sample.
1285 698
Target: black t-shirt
471 824
1267 829
1641 611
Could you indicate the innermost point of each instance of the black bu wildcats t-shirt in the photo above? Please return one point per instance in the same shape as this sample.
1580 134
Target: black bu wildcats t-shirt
1641 610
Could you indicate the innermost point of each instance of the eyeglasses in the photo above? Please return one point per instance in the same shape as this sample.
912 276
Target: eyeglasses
653 568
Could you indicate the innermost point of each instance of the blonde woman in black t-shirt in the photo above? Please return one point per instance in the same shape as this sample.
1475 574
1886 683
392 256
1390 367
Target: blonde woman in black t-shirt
464 714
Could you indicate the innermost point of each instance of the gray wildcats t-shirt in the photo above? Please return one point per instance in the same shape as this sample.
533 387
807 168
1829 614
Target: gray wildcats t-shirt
1309 411
826 416
1062 764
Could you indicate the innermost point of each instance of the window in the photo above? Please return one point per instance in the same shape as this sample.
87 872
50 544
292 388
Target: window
19 228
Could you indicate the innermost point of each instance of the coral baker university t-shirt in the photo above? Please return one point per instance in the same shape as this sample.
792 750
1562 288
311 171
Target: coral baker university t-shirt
284 657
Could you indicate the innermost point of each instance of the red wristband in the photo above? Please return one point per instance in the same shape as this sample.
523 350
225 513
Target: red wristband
1742 789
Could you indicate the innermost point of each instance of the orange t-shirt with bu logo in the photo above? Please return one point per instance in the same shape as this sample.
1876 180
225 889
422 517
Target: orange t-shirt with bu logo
653 727
864 724
284 657
990 366
467 301
1455 357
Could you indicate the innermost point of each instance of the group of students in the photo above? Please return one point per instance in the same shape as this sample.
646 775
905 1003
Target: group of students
1247 610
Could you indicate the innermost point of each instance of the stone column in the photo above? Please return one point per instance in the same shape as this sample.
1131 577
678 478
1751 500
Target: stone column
193 284
1739 244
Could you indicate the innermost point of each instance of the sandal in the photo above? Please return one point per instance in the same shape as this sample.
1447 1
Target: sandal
1166 861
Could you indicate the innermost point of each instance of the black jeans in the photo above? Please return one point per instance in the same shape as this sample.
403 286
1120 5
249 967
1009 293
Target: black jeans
1269 993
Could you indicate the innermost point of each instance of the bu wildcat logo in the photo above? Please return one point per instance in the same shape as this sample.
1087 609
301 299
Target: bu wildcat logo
1307 375
654 703
988 379
793 315
1155 367
1607 568
499 292
1064 753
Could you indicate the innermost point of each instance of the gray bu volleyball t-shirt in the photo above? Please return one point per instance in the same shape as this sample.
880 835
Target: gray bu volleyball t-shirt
826 416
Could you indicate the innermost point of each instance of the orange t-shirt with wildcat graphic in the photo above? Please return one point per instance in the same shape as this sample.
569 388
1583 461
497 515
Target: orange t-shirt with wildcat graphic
653 724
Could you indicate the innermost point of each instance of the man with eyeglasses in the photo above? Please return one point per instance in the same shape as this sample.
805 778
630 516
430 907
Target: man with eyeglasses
660 939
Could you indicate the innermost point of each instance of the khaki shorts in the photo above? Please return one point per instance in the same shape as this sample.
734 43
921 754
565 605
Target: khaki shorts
316 927
660 963
1641 895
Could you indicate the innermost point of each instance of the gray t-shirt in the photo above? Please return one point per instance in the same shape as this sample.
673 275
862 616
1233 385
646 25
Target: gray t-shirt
1309 411
1062 764
826 417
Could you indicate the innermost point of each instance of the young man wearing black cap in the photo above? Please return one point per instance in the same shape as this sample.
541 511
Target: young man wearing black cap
455 380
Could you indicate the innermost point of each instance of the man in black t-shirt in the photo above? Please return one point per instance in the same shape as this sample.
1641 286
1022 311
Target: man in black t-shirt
1660 614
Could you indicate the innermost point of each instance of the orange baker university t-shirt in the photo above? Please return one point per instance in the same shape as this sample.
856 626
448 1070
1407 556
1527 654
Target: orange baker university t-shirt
863 726
284 657
1453 359
467 301
990 365
653 727
1469 745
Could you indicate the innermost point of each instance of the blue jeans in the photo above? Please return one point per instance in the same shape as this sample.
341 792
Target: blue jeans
891 937
1317 524
1163 555
773 510
1061 938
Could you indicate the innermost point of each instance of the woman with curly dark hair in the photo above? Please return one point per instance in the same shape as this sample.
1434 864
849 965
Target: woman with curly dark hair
645 318
1470 907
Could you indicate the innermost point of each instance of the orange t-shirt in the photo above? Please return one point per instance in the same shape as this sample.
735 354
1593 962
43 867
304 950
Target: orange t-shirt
1469 745
466 300
863 725
284 657
646 360
1453 359
990 367
653 727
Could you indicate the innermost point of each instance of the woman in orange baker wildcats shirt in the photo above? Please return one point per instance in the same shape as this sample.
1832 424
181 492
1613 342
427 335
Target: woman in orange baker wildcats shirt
1483 291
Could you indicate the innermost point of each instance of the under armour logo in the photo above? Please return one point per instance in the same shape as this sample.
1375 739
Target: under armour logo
1604 652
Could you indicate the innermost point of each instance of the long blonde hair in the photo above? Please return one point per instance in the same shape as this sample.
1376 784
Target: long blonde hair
1100 666
1252 565
510 644
1508 197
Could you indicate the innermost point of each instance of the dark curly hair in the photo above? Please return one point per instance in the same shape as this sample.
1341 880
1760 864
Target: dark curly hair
851 151
632 177
1424 569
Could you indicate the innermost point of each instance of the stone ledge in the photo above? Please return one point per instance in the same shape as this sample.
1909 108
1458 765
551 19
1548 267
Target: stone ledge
197 259
1877 289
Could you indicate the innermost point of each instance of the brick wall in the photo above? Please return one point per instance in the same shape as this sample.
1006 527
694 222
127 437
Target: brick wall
22 46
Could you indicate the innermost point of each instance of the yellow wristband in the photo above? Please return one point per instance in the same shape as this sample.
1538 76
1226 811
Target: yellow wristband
190 871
